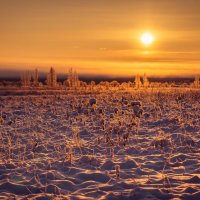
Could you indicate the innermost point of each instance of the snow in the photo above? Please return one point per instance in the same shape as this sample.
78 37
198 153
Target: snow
108 145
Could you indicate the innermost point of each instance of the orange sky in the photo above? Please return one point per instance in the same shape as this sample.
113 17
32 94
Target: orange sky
101 36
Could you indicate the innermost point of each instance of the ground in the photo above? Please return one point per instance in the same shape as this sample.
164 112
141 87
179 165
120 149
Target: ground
140 144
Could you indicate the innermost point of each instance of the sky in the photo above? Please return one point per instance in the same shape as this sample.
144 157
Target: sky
100 37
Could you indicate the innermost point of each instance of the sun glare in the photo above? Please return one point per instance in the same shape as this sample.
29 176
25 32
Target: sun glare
147 38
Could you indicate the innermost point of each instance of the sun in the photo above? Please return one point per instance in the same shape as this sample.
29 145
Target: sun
147 38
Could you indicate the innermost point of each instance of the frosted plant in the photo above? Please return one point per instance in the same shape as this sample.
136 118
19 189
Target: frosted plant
162 140
136 105
1 120
92 102
117 171
112 154
166 181
107 173
69 155
98 140
92 85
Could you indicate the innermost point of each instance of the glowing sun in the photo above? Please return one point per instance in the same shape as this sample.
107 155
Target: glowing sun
147 38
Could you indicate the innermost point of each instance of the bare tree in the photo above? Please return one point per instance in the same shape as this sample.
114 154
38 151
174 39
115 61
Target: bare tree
196 82
52 78
35 78
26 79
137 81
72 80
145 81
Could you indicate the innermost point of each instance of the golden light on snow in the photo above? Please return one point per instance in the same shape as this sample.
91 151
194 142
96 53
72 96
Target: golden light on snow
147 38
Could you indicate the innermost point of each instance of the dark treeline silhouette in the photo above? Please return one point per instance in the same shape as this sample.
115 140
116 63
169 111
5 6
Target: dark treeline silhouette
98 79
71 80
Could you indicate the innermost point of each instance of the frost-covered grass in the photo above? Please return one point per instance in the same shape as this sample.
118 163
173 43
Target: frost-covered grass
108 145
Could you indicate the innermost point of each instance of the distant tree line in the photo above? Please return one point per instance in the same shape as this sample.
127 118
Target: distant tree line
31 79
